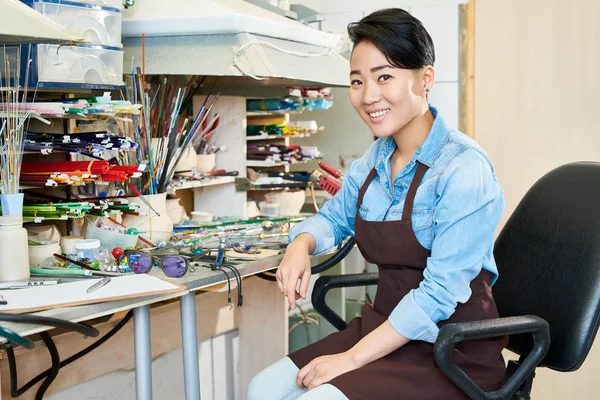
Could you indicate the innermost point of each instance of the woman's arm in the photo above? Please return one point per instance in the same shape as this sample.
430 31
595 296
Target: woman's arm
377 344
333 223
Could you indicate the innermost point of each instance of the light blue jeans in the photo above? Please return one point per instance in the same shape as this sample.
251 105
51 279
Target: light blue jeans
278 382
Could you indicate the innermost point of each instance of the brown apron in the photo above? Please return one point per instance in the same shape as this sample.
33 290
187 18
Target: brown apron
409 372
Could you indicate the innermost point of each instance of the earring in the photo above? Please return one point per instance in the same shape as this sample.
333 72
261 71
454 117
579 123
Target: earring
426 90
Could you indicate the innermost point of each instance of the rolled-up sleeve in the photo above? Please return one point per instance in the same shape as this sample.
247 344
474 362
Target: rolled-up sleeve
469 207
335 221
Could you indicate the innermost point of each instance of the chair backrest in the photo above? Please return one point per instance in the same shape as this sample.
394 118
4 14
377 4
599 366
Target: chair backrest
548 256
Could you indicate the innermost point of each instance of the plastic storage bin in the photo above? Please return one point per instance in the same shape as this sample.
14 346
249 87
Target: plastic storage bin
99 25
105 3
80 64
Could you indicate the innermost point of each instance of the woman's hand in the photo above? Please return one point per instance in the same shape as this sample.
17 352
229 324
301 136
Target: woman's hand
296 266
323 369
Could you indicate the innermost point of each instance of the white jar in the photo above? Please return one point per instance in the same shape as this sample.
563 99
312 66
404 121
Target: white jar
14 255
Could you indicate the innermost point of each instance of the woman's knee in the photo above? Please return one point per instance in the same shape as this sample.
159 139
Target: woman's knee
278 381
324 392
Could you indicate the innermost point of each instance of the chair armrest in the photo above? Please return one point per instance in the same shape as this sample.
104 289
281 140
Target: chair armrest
334 259
324 266
325 283
452 334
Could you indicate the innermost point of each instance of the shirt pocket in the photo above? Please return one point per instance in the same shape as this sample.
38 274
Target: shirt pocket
422 222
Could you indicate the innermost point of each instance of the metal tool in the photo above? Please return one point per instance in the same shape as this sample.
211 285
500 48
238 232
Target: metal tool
98 284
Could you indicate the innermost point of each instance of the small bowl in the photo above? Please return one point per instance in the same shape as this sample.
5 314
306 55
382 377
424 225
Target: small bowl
201 216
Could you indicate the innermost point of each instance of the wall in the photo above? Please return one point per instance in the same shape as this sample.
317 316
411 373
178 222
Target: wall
536 101
535 94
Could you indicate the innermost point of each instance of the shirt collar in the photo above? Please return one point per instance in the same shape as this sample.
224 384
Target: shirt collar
429 150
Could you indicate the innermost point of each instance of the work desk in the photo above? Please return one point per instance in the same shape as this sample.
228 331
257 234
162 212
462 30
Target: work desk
263 306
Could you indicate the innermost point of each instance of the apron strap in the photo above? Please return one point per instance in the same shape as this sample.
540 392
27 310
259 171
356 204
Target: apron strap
364 188
412 191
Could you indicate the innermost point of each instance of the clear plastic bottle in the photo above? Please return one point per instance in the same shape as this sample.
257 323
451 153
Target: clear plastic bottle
14 254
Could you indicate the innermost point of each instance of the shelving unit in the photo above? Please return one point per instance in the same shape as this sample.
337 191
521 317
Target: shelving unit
272 117
275 113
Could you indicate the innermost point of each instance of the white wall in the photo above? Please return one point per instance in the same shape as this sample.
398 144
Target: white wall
536 107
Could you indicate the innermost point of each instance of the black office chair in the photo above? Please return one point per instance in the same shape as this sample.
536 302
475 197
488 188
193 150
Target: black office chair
548 255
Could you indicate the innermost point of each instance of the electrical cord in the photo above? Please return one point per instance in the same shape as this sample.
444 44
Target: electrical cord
16 338
238 50
14 392
51 346
238 278
57 323
216 268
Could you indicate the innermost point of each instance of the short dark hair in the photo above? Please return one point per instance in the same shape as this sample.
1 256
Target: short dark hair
401 37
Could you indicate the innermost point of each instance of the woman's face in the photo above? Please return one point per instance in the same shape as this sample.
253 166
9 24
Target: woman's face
385 97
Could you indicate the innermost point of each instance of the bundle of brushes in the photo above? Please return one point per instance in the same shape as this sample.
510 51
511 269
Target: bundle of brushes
12 121
161 136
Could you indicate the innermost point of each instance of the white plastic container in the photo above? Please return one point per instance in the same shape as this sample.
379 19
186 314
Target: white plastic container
79 64
111 239
14 257
87 248
105 3
98 25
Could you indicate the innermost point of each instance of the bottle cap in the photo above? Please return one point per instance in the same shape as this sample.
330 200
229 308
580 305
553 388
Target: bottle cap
87 244
11 220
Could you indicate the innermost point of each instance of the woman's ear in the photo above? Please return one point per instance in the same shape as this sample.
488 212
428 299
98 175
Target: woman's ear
428 78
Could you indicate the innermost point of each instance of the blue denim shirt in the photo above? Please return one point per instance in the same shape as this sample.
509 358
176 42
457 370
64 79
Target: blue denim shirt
457 209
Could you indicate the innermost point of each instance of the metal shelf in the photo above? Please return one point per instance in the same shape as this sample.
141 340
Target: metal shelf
178 185
266 164
276 137
272 113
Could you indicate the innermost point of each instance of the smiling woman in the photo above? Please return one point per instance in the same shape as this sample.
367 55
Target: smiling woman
423 203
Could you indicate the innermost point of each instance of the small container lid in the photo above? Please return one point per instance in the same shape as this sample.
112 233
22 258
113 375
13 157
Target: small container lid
87 244
11 220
